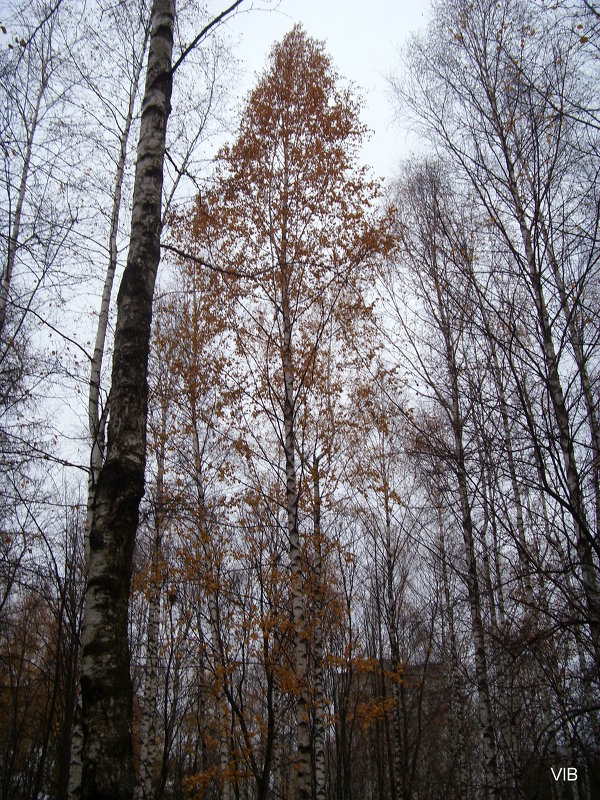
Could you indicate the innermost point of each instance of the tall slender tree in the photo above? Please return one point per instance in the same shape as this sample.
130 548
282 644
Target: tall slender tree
106 683
293 218
506 95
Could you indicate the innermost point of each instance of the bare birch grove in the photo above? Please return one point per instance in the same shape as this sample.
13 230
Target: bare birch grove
308 508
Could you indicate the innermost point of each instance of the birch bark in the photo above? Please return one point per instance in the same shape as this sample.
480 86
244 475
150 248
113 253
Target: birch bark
583 535
143 789
456 711
300 647
481 669
486 715
96 417
392 616
97 420
13 241
106 683
319 690
575 325
213 611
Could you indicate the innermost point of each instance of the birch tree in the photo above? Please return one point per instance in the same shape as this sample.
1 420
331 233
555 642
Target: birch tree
504 97
427 233
106 683
293 217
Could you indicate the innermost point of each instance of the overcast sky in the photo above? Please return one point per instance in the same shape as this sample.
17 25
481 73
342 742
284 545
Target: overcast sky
363 40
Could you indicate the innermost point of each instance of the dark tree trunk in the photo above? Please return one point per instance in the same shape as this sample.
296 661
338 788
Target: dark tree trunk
106 684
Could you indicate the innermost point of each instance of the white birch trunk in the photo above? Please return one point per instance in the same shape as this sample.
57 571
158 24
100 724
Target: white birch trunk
76 765
144 788
586 698
481 670
481 666
96 419
13 241
456 715
108 772
303 767
392 616
575 327
213 611
583 536
319 691
524 562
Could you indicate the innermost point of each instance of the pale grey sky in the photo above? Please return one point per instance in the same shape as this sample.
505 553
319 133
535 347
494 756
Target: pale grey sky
363 40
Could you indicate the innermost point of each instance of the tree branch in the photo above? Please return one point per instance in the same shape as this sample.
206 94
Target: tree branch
204 32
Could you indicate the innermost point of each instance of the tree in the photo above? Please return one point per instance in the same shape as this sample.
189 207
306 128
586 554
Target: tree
106 683
504 96
477 436
431 240
36 223
292 216
39 650
34 84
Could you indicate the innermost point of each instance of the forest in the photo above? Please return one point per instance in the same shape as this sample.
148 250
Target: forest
299 467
